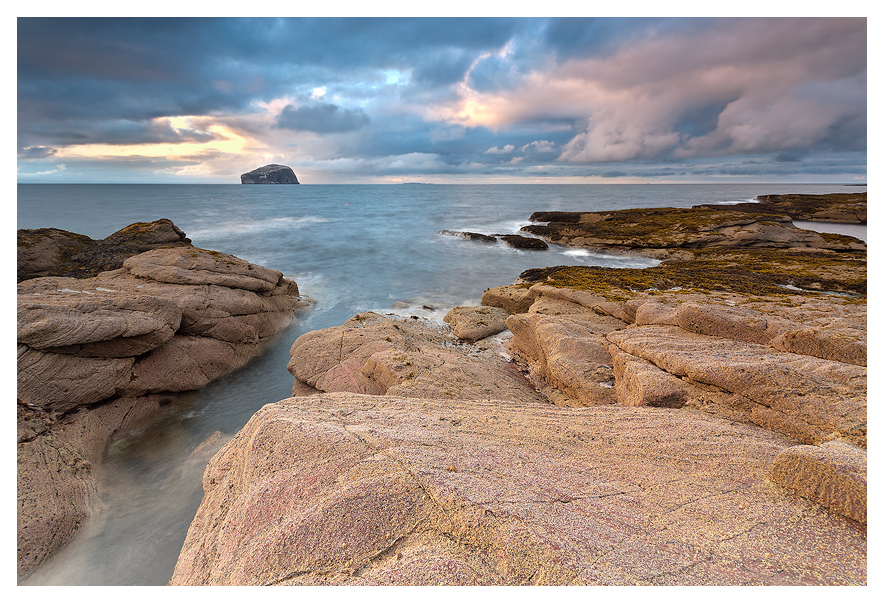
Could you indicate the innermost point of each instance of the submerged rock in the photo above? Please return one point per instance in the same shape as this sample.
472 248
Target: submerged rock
271 174
349 489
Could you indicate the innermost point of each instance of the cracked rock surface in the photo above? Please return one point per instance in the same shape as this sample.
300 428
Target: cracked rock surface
352 489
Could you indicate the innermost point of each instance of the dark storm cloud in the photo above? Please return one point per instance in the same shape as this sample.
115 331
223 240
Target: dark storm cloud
322 118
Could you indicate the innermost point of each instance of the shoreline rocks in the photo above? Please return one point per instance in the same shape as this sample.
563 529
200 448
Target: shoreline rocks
169 319
661 232
844 208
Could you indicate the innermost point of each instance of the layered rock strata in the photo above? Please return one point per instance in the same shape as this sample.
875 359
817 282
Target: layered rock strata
349 489
91 352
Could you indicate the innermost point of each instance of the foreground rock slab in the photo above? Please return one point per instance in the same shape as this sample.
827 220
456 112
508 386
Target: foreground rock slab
350 489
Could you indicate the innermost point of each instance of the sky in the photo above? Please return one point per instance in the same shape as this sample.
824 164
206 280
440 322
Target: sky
443 100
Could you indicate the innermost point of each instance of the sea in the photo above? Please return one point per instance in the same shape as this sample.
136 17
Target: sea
351 248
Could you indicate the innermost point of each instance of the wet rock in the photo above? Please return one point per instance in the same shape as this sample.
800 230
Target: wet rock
525 243
348 489
846 208
470 236
660 231
474 323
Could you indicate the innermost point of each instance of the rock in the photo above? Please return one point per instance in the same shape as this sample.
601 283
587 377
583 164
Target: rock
567 353
167 320
639 383
512 298
833 474
660 231
271 174
102 324
525 243
748 325
847 208
474 323
193 266
470 236
803 397
373 354
348 489
54 252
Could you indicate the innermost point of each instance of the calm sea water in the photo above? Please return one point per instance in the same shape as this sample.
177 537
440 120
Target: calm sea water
350 247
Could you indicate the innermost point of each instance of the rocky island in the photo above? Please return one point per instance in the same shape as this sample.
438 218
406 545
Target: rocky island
701 422
271 174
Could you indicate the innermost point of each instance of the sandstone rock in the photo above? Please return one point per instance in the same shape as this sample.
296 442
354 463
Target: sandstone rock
833 475
101 324
61 382
512 298
54 252
187 363
349 489
271 174
748 325
193 266
476 322
803 397
653 313
638 383
373 354
568 353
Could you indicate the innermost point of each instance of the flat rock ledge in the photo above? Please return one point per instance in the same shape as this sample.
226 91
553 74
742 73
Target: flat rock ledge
96 354
356 489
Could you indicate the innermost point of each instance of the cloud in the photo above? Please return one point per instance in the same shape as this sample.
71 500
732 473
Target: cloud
37 152
321 118
502 150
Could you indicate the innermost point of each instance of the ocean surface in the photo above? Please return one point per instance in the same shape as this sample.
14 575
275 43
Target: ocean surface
352 248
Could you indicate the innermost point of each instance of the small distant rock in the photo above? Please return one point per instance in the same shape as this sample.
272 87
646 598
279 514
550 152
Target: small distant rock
271 174
471 236
525 243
